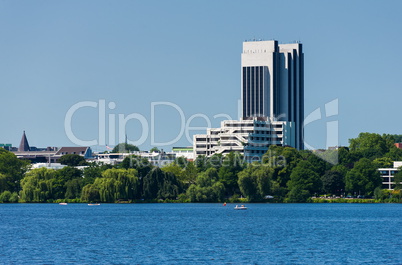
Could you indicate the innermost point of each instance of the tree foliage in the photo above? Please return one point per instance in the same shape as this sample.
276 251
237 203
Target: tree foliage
12 171
160 185
288 174
125 148
114 185
207 188
255 181
303 180
363 178
72 160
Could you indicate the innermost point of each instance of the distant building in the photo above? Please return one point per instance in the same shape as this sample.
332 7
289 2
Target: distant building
272 96
388 174
154 158
186 152
24 146
48 154
86 152
250 137
48 165
8 147
398 145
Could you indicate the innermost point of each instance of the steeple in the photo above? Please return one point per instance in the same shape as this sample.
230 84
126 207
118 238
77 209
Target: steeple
24 146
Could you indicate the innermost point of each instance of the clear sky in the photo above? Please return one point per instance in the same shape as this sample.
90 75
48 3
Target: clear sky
131 54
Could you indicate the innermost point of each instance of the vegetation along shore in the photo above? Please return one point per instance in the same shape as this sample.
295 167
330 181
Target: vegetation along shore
284 175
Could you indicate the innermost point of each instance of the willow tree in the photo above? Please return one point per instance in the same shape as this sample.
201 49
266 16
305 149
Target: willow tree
37 185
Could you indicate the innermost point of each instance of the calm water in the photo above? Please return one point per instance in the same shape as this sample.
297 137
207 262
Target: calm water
201 233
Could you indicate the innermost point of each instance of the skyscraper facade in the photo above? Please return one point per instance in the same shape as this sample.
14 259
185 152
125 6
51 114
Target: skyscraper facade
272 96
273 84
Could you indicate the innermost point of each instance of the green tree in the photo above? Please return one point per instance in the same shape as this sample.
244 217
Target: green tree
255 181
126 183
370 145
207 188
63 178
297 194
181 161
160 185
92 172
346 158
232 164
5 196
73 188
37 185
72 160
142 165
394 154
90 193
397 138
383 162
155 149
320 165
12 171
201 163
363 178
125 148
190 174
283 160
175 169
333 182
115 184
215 161
304 182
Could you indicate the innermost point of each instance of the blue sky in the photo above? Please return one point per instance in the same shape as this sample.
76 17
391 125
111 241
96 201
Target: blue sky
55 54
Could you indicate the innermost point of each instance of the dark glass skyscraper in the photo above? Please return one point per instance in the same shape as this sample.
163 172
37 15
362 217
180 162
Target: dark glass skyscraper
273 84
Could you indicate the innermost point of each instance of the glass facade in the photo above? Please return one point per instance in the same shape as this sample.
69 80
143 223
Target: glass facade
255 91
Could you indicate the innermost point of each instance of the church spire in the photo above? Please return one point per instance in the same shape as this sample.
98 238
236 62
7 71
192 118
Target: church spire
24 146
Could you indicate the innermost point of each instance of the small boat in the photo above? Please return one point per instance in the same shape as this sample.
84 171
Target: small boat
93 204
63 203
241 207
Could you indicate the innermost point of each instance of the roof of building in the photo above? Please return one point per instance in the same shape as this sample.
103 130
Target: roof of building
24 146
72 150
34 153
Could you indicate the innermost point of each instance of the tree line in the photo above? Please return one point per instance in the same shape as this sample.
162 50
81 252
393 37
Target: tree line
284 175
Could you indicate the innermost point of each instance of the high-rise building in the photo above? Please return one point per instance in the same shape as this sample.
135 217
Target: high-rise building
272 93
273 83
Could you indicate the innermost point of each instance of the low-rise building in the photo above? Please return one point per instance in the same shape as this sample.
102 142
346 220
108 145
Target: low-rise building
86 152
48 165
387 175
154 158
186 152
249 137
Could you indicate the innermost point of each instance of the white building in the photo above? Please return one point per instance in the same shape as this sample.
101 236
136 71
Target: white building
272 93
156 159
186 152
250 137
388 174
55 166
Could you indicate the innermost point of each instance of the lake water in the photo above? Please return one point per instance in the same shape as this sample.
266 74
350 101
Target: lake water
201 233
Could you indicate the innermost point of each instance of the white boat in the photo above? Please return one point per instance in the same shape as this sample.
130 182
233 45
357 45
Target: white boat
93 204
63 203
241 207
